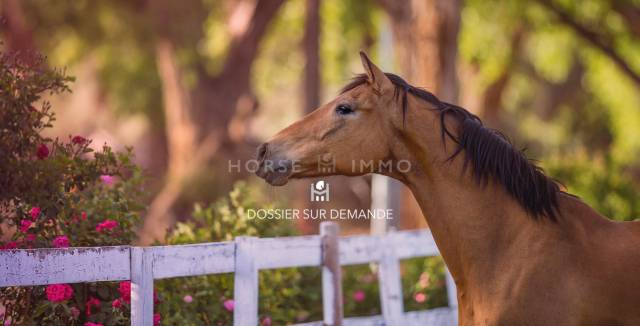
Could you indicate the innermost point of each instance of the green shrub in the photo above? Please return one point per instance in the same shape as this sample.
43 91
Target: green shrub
600 181
59 194
223 221
423 283
286 295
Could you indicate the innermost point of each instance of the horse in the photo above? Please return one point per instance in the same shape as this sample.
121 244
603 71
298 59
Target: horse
520 249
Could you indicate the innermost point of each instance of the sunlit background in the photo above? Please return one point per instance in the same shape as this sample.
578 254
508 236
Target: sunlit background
193 84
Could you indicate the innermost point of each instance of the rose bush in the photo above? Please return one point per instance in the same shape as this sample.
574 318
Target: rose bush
59 194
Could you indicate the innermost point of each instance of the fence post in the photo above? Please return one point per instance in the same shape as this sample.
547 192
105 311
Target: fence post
331 275
141 287
452 296
390 284
245 285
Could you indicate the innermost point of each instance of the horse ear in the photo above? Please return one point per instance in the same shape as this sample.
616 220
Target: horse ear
375 76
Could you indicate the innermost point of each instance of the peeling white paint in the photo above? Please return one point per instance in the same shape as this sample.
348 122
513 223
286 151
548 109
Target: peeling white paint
246 256
24 267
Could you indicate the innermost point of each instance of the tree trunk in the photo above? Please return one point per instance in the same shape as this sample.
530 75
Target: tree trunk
311 100
211 119
491 110
180 128
312 55
426 43
180 132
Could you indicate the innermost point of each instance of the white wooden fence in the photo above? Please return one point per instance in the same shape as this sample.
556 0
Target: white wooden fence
244 257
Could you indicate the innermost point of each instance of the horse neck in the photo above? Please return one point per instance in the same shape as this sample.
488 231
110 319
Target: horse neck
472 224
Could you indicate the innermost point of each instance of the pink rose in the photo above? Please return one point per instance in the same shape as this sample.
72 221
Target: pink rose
59 292
228 304
83 216
75 312
30 237
117 304
61 241
106 225
420 297
156 319
106 179
35 212
91 324
42 152
187 298
266 321
125 291
25 225
10 245
92 302
359 296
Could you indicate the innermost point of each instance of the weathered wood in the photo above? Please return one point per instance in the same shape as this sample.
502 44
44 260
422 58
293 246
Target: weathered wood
246 282
25 267
141 286
332 305
433 317
288 252
390 286
246 256
360 249
193 260
409 244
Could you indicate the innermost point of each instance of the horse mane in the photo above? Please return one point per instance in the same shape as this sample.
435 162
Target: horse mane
489 152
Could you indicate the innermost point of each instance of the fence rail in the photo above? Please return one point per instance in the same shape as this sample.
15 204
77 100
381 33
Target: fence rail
245 257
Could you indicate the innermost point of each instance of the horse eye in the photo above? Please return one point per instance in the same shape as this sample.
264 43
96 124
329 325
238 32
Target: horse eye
344 109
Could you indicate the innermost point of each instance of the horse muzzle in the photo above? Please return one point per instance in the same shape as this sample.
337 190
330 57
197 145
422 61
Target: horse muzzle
274 170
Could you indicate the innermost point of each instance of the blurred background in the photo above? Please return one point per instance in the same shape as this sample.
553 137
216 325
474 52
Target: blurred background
193 84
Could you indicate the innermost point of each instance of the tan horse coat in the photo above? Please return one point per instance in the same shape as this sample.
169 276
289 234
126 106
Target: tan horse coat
510 268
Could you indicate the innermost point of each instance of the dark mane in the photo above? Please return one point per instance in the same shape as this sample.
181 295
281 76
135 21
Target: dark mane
489 153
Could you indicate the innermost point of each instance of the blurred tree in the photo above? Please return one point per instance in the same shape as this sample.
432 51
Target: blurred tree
210 120
311 91
426 46
630 12
206 106
16 31
568 69
571 94
490 107
312 55
426 34
601 38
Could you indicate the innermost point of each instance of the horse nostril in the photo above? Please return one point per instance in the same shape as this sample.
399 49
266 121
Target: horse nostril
262 152
284 166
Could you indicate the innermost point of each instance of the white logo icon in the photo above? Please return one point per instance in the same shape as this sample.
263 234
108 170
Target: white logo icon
326 164
319 191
